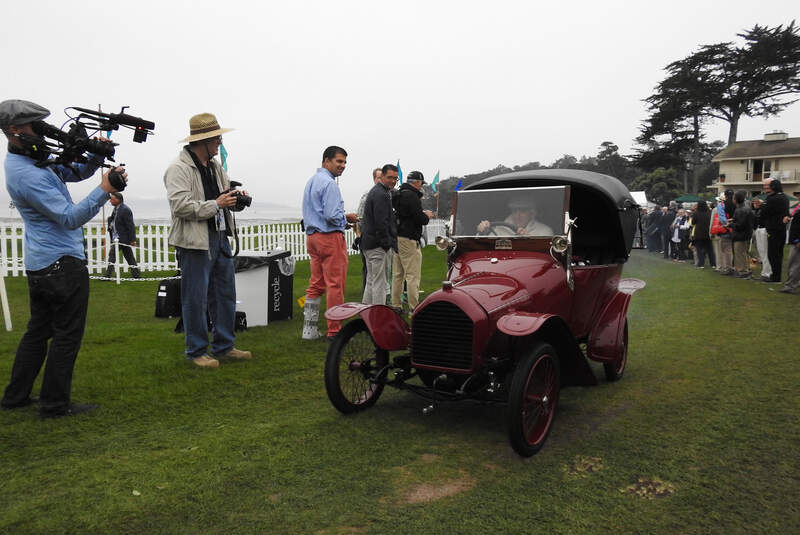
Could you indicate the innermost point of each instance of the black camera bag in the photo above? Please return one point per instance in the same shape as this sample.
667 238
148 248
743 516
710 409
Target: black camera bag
168 298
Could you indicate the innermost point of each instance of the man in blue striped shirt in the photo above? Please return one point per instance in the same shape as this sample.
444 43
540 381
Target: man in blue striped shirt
325 222
58 281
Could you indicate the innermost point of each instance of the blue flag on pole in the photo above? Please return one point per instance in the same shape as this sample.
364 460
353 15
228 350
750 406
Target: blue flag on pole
399 172
460 183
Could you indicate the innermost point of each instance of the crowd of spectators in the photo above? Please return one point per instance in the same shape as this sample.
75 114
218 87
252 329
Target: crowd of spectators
734 234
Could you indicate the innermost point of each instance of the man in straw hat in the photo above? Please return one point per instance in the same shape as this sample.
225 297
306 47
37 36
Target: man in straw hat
198 189
325 222
58 280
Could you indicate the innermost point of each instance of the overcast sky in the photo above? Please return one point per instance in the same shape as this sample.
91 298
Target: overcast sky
458 86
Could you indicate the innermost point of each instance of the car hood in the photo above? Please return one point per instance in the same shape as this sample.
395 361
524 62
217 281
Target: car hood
492 291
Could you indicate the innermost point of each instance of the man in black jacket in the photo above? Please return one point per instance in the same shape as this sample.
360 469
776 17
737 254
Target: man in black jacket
742 225
121 227
379 235
410 220
774 210
793 279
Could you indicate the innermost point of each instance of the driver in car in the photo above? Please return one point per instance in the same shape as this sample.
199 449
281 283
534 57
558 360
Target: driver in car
521 222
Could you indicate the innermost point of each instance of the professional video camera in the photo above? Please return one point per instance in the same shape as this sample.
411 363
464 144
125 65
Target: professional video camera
71 146
242 201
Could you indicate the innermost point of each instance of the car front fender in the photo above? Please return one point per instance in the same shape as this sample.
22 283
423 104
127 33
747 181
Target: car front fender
605 339
552 329
388 329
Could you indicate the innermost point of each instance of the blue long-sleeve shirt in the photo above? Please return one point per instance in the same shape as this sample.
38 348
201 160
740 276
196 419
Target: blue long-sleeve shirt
723 218
323 206
53 224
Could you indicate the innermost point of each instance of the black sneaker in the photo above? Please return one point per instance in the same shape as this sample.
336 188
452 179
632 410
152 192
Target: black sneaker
73 410
27 402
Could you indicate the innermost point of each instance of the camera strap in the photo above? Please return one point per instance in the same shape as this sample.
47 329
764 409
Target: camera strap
33 147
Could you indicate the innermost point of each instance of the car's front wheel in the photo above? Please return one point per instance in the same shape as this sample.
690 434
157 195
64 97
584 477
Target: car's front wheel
533 398
351 368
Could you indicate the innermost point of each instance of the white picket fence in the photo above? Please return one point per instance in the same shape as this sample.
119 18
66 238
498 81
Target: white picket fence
153 252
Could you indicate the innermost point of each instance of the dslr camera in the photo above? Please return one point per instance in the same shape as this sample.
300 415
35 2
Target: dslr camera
242 201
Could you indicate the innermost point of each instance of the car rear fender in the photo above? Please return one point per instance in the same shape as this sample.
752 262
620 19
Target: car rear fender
605 339
387 328
528 327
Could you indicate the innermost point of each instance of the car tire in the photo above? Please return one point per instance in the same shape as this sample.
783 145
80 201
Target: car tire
615 370
352 367
533 398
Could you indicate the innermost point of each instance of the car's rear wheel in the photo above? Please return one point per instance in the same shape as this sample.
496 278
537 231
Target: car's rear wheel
533 398
614 370
351 368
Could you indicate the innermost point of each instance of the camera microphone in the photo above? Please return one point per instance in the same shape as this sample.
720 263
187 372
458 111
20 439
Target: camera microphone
120 118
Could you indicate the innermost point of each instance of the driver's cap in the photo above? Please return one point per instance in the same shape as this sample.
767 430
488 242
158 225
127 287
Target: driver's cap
520 204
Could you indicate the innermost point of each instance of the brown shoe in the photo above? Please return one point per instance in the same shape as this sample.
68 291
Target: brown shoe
237 354
205 361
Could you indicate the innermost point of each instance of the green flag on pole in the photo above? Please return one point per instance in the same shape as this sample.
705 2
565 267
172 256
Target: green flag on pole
224 155
435 183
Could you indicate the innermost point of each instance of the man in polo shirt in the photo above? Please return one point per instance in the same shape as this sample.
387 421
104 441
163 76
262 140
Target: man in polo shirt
325 222
58 282
198 190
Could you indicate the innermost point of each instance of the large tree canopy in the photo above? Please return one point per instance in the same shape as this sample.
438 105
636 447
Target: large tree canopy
727 82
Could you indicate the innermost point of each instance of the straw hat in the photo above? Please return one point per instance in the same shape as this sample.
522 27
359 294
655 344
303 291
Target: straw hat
204 126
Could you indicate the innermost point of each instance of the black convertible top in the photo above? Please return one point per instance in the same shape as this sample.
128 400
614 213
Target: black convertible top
606 213
609 186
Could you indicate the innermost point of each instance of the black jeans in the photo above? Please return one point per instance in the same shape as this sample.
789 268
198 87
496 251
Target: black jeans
59 297
776 239
703 247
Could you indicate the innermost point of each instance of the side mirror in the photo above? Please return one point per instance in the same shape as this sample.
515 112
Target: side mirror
562 246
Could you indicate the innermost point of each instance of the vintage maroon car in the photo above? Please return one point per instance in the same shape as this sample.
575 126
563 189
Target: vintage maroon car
533 289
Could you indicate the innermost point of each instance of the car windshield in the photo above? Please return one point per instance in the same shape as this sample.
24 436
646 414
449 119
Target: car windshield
512 212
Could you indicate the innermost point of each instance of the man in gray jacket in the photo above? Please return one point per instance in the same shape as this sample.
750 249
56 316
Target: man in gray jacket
379 236
198 189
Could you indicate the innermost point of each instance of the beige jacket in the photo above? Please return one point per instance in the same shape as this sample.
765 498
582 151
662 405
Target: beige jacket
190 211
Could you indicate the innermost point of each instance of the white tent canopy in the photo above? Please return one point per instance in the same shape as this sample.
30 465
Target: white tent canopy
641 199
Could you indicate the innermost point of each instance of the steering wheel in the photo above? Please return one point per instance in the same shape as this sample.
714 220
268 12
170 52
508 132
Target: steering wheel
496 224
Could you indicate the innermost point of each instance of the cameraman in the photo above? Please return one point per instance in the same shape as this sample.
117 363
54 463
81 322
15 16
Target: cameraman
58 281
198 189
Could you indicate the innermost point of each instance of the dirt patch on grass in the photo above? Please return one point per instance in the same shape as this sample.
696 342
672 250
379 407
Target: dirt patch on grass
582 466
428 492
429 457
650 488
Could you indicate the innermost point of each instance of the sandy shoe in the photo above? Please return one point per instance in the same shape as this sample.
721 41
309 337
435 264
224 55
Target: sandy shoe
237 354
204 361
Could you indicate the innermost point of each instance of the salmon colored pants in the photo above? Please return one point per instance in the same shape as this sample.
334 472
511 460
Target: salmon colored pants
328 252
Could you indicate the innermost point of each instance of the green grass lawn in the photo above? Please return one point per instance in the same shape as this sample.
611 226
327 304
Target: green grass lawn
700 436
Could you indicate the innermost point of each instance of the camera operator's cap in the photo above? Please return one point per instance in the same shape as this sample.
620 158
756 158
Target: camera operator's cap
415 175
19 112
204 126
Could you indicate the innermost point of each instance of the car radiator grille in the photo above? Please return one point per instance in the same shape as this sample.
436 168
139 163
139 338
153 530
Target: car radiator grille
441 335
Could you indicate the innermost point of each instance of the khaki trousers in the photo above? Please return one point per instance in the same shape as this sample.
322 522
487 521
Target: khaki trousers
407 266
725 257
741 261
